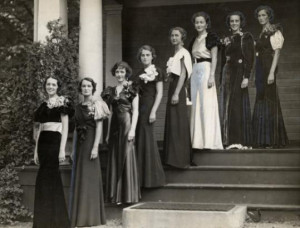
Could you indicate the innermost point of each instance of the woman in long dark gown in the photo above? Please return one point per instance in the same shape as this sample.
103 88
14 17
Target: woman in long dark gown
122 183
150 83
177 139
86 196
238 55
268 124
50 210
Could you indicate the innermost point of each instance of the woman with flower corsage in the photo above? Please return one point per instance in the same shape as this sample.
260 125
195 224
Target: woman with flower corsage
150 83
238 61
205 122
177 140
86 195
267 120
50 209
122 182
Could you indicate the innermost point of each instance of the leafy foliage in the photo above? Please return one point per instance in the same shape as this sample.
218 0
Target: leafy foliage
11 208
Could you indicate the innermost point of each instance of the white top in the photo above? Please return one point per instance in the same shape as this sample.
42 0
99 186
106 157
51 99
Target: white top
277 40
174 63
199 49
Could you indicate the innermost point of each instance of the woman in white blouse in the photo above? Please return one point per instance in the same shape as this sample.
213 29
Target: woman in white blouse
268 124
205 122
177 140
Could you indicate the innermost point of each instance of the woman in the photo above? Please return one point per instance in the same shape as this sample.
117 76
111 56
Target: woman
177 140
86 198
122 185
150 83
238 53
268 124
205 123
53 115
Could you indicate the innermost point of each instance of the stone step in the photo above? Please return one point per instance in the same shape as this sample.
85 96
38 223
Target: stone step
234 175
289 157
225 193
282 96
293 89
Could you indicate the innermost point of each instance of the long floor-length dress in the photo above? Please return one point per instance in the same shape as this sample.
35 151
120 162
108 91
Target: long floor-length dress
151 173
87 201
268 124
122 183
205 122
235 104
50 210
177 139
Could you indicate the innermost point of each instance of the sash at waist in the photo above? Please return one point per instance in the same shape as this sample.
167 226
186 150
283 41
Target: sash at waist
51 126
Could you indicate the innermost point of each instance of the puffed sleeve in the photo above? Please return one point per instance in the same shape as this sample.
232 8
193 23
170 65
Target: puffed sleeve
212 40
107 94
277 40
101 110
160 76
248 53
67 107
187 60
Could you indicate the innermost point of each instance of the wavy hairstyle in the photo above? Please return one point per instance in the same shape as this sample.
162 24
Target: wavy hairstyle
122 64
204 15
268 10
236 13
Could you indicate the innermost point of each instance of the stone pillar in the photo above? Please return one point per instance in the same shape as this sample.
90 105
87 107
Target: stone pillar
45 11
113 39
90 42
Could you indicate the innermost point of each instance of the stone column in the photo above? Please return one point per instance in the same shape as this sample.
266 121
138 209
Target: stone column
90 42
45 11
113 39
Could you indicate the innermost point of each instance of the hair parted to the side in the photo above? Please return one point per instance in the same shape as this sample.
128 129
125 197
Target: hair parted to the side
148 48
122 64
181 30
94 84
204 15
236 13
59 82
268 10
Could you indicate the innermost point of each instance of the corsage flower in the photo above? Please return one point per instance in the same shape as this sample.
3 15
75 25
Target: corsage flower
58 102
150 74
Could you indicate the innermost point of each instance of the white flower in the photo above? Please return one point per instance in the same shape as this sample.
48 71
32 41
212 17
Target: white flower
58 102
150 74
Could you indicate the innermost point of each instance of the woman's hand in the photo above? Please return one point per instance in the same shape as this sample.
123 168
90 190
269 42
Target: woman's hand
36 159
94 153
211 81
61 156
244 83
152 117
175 99
131 135
271 78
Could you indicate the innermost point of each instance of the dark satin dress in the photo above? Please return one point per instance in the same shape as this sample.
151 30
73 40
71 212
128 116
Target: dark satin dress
150 168
50 210
122 183
87 201
268 124
235 104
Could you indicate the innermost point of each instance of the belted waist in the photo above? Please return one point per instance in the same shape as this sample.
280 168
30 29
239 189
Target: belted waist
51 126
202 60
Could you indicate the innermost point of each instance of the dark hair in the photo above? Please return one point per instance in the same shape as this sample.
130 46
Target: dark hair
94 84
236 13
59 83
204 15
147 48
268 10
122 64
181 30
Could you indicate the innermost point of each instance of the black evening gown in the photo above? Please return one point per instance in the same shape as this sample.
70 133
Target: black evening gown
87 201
177 138
235 104
122 183
50 210
150 168
268 124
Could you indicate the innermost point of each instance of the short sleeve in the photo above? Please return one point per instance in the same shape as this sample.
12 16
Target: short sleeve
67 108
160 76
212 40
107 94
277 40
101 110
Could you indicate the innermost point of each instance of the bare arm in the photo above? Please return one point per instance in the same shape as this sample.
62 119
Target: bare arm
35 157
271 76
108 127
214 56
175 97
64 136
158 97
98 130
135 115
